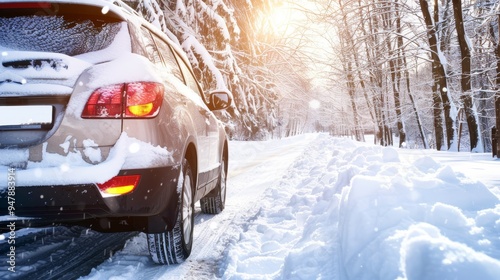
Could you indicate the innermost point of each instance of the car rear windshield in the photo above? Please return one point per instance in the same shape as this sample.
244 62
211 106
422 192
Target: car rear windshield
60 28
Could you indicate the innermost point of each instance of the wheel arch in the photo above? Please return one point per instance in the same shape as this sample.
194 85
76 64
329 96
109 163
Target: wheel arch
225 154
191 156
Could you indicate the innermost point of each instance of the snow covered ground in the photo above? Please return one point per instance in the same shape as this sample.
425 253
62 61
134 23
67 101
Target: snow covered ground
317 207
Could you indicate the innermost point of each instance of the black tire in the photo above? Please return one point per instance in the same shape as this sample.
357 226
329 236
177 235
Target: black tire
174 246
215 201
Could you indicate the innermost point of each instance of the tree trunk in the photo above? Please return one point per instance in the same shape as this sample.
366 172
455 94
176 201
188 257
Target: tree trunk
413 104
352 96
347 50
398 77
439 86
393 67
376 78
497 94
466 97
361 80
438 119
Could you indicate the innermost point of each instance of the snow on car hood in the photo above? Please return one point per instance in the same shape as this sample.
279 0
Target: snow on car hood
54 169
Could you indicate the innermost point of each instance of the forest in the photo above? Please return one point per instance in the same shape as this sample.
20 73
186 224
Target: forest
415 73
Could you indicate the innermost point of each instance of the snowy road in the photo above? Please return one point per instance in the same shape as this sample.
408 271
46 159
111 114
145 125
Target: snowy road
313 206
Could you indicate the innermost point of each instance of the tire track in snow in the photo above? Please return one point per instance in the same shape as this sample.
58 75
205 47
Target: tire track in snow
60 252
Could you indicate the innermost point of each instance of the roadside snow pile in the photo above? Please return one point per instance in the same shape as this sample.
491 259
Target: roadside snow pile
347 210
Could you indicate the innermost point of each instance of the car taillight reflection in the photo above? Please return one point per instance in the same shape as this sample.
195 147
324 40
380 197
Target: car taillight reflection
130 100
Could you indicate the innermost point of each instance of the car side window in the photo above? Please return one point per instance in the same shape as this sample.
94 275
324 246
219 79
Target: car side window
151 49
168 57
135 38
188 76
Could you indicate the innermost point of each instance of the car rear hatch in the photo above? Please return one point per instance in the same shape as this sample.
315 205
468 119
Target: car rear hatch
44 50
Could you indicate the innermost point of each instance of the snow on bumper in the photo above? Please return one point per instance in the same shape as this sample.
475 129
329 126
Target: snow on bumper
127 153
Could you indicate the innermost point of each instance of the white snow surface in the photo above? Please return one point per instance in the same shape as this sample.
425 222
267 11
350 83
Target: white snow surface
318 207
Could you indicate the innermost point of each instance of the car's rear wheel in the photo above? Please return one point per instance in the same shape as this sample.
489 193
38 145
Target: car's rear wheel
174 246
215 201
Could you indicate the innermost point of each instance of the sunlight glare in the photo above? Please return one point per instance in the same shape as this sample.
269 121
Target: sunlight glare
280 16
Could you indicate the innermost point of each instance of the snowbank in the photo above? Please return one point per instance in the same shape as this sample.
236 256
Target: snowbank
347 210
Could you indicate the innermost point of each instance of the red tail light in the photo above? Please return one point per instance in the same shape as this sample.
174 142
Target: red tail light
143 99
131 100
104 102
119 185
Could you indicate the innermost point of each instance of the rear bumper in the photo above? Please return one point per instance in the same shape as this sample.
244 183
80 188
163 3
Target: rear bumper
155 195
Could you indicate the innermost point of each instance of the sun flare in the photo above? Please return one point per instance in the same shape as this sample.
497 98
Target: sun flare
279 17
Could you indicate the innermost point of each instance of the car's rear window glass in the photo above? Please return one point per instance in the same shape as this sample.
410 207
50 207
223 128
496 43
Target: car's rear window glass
66 29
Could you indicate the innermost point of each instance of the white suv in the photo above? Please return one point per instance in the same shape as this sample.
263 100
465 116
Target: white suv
103 124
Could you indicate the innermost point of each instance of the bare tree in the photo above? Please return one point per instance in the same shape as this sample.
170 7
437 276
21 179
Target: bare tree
439 87
466 97
389 14
496 129
347 48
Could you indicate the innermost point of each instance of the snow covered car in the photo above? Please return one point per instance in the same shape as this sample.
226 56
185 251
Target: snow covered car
103 124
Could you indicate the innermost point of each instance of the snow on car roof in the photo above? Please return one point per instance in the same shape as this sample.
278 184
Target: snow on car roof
116 7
